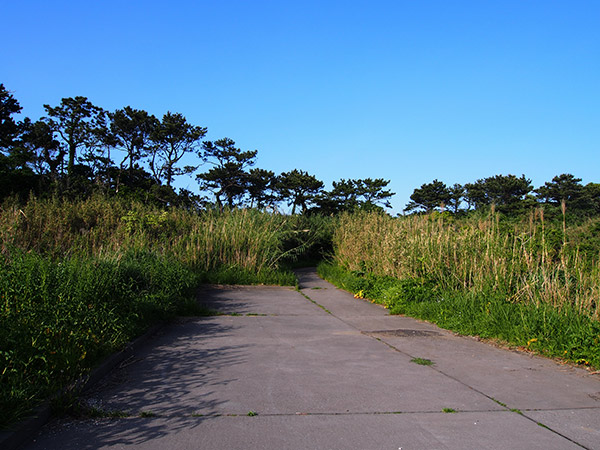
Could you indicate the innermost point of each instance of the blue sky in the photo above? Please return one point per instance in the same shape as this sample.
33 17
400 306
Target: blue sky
409 91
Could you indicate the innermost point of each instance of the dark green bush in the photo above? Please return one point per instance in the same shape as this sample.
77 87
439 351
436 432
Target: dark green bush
59 318
562 333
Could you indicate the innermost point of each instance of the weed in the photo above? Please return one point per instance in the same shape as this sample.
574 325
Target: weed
500 403
147 414
448 410
422 361
79 279
527 262
315 303
252 414
563 333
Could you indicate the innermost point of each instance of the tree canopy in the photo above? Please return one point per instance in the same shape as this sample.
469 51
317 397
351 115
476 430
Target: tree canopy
429 196
299 188
79 148
227 177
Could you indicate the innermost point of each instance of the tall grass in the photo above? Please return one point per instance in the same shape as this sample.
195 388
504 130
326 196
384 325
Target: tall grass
81 278
530 262
246 239
565 334
58 318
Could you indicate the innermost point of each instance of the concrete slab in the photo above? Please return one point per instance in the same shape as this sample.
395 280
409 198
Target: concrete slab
466 431
336 301
343 379
517 379
581 425
279 365
254 300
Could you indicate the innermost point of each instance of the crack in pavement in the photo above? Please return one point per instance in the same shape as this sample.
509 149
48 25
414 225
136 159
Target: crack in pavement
441 372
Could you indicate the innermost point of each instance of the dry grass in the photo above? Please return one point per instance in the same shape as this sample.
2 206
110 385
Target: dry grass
527 262
244 239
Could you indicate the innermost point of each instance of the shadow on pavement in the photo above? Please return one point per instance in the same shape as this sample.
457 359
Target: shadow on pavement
169 378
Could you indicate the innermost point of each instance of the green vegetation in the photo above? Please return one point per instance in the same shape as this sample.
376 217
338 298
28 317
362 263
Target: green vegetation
422 361
94 250
79 149
449 410
80 279
500 403
529 283
60 317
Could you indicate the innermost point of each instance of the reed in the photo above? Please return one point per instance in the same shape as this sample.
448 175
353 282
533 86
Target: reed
81 278
529 261
245 239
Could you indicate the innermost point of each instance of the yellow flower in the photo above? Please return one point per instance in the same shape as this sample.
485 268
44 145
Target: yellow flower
360 294
531 341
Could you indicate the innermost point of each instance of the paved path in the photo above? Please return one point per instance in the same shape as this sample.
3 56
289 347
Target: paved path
323 370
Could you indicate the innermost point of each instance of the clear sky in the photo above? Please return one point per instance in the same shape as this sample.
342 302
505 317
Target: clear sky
406 90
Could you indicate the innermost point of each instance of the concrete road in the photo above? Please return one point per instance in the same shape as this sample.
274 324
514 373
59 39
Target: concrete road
318 369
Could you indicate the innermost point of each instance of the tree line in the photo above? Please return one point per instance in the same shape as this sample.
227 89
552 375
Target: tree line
508 194
79 148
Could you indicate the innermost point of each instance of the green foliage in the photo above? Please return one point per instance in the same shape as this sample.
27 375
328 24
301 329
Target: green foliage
504 191
422 361
563 188
60 317
173 137
307 240
79 279
235 275
131 130
8 127
299 188
79 124
429 196
398 298
33 153
351 195
529 261
228 176
564 333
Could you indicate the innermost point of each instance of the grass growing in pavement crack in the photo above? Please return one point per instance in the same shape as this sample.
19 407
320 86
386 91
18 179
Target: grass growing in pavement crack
422 361
147 414
312 301
252 414
504 405
499 402
449 410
